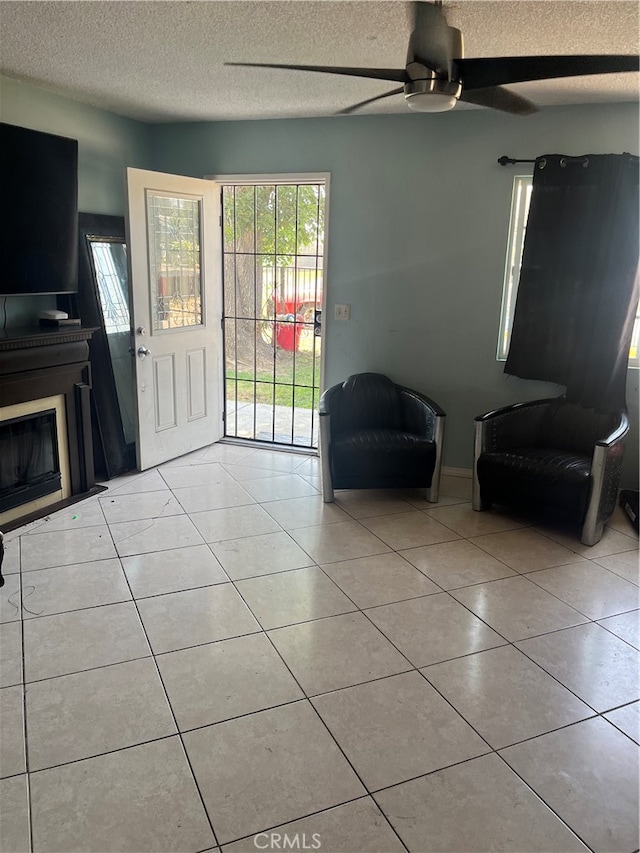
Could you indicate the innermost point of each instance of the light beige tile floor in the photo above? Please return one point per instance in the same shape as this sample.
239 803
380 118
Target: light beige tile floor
207 657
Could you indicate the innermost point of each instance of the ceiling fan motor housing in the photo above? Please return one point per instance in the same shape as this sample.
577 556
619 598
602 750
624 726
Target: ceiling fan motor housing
433 85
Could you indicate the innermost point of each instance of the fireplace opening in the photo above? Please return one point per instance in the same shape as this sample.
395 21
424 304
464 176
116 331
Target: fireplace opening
29 459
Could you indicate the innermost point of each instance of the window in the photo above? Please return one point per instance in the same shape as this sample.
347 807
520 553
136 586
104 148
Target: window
520 200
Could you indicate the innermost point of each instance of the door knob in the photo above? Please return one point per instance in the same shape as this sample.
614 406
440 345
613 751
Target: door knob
143 351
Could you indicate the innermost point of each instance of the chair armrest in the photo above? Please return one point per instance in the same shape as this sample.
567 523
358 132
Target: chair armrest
514 407
606 469
420 414
324 406
423 416
617 434
511 426
327 424
422 398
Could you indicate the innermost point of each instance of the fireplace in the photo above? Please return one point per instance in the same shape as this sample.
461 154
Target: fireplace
46 455
34 461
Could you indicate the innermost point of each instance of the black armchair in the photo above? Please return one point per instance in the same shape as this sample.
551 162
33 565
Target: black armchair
551 455
375 434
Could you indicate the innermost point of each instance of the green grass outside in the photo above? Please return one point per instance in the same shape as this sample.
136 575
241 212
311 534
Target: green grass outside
285 381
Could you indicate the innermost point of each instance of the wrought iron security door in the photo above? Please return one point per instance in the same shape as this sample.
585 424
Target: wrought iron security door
273 249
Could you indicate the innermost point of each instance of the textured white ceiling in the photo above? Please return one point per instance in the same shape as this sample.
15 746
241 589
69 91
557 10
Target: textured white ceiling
163 61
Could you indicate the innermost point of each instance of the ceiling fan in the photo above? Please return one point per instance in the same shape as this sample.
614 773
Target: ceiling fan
437 75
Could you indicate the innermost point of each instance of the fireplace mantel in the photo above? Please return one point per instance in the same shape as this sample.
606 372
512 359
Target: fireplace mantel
36 363
33 336
33 349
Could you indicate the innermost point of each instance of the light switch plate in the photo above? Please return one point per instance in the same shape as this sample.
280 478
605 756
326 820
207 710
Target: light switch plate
342 312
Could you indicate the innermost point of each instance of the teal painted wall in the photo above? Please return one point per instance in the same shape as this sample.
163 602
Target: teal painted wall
107 143
418 219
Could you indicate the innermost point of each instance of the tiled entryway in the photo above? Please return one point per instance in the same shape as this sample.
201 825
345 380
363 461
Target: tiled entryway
206 656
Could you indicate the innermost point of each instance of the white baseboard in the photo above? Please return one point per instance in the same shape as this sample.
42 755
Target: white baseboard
467 473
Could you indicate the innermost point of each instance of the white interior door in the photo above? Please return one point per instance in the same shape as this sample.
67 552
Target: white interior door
173 234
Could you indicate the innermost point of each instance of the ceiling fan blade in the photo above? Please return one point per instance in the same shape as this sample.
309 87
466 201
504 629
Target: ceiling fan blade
430 41
398 76
499 99
354 107
483 73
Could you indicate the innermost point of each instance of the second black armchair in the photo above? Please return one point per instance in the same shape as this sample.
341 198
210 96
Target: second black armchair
554 456
375 434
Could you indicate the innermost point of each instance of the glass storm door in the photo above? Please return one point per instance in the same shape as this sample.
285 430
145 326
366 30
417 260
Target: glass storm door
176 310
273 251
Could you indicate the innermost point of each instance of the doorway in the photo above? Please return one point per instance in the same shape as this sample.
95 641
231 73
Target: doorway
274 245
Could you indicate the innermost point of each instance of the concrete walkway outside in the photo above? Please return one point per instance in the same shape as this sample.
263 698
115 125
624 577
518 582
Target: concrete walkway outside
272 423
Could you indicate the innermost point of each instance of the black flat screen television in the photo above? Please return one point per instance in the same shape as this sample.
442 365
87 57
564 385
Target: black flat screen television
39 212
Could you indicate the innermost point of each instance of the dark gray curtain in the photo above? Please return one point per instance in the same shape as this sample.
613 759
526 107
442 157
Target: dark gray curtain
578 288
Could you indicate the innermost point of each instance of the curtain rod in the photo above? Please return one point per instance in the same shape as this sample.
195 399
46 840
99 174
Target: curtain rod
510 161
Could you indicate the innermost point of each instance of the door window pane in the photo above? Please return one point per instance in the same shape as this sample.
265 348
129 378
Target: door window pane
174 261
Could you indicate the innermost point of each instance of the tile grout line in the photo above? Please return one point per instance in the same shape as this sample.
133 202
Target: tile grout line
24 711
512 644
573 607
542 800
495 750
91 757
88 669
606 628
170 706
315 711
626 734
270 829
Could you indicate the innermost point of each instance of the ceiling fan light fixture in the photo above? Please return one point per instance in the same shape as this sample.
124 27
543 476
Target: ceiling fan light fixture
430 102
432 95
